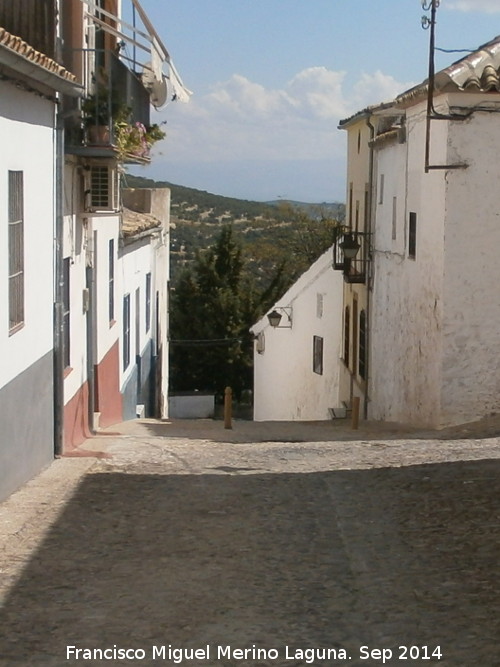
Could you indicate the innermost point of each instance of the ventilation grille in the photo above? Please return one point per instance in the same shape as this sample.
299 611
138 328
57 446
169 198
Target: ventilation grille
103 188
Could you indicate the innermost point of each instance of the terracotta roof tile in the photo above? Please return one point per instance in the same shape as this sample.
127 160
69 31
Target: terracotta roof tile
19 46
134 223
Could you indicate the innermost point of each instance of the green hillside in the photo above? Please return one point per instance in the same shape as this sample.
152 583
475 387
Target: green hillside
272 234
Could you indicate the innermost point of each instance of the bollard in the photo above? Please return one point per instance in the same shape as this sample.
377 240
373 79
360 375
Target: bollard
228 408
355 412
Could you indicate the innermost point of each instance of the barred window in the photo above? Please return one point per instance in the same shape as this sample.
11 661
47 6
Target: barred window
347 331
100 187
111 281
362 345
66 313
412 235
16 251
148 301
126 331
318 355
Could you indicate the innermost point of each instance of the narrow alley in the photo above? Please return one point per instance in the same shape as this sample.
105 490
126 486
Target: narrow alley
165 538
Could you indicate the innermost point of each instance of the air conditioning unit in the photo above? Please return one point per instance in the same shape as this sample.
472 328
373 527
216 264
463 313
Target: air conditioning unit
102 191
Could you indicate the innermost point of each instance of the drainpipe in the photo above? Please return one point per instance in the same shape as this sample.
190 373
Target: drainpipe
370 265
90 286
58 354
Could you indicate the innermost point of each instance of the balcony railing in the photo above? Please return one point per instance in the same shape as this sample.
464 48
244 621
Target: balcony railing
116 101
355 269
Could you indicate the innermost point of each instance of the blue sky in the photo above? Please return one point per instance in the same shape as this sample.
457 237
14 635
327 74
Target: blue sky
272 78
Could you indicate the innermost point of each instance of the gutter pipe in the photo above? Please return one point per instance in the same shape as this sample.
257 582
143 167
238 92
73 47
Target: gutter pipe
370 259
58 352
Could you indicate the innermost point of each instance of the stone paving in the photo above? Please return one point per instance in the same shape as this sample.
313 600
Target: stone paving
289 542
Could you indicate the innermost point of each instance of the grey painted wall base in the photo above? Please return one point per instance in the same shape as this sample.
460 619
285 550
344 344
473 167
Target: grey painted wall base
26 425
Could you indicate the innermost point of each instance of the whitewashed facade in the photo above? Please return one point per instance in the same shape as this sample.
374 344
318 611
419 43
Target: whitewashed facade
28 211
296 365
26 349
144 272
65 254
434 328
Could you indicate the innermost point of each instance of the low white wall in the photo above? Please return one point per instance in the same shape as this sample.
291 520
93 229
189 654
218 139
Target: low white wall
192 406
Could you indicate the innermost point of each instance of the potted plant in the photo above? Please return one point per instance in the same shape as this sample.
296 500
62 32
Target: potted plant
135 139
99 109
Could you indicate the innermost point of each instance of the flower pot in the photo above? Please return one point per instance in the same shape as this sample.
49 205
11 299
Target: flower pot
98 134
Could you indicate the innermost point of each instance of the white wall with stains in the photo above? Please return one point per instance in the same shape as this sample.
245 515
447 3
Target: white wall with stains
471 296
286 387
406 306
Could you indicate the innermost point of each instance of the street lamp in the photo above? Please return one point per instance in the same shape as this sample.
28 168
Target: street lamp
350 246
276 315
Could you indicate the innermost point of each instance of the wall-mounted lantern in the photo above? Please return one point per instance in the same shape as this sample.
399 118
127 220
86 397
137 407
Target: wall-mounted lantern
351 253
276 316
350 246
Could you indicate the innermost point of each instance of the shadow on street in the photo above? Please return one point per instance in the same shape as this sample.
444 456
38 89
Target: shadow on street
380 557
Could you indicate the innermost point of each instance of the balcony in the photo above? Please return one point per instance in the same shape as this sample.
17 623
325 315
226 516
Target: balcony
351 255
113 120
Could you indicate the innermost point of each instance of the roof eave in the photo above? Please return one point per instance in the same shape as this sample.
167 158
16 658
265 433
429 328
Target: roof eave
38 74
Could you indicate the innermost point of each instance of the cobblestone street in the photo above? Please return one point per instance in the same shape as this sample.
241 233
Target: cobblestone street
263 537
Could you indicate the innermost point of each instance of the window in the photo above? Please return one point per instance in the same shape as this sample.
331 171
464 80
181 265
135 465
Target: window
367 204
319 305
354 336
350 206
356 223
148 301
359 140
412 236
347 326
394 217
103 188
362 345
318 355
16 251
126 331
111 281
66 314
99 187
381 190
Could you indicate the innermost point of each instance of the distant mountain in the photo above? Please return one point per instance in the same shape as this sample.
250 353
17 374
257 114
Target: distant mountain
270 232
324 209
185 198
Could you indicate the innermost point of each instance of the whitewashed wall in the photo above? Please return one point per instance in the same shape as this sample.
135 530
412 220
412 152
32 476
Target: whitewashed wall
26 128
76 247
285 386
471 331
406 307
135 262
149 255
102 230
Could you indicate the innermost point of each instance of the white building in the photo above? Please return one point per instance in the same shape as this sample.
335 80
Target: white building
296 364
434 327
115 262
144 275
29 84
71 258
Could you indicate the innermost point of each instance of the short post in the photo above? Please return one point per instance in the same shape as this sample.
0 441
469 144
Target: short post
228 408
355 412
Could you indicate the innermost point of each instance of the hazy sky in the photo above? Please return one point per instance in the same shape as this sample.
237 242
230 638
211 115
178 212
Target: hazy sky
272 78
